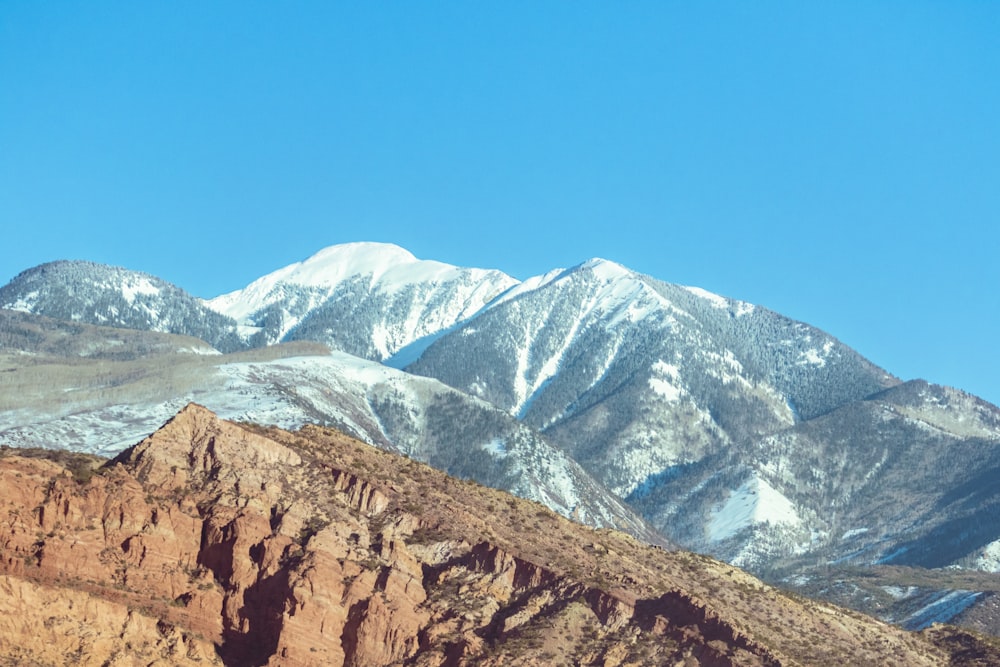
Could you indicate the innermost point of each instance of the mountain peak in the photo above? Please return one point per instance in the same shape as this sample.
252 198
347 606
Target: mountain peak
336 263
605 268
361 258
385 264
425 297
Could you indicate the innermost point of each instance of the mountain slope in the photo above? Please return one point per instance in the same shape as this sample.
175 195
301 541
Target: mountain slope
103 406
913 471
633 376
906 476
311 548
92 293
25 334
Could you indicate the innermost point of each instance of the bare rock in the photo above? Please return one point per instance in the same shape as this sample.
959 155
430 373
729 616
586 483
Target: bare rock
214 543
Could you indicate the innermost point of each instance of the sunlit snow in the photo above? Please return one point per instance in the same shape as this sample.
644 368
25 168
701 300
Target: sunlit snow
427 296
718 302
496 447
140 285
754 502
900 593
940 610
25 303
854 532
989 558
389 268
665 389
200 350
714 299
529 285
815 357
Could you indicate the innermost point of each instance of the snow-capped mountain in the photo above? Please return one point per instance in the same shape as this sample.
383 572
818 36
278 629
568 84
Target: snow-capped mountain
79 291
633 376
732 429
368 299
903 477
111 406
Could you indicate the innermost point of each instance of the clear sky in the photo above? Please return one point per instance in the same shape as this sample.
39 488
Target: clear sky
838 162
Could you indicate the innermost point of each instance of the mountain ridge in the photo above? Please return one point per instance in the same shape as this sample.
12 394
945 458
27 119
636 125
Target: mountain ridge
732 429
253 546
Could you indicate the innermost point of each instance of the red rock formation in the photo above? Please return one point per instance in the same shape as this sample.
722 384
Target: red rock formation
312 549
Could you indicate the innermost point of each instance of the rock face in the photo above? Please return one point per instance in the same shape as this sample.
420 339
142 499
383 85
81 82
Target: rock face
43 624
212 543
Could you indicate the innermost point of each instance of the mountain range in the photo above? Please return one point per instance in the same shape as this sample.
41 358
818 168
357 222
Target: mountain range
622 400
212 543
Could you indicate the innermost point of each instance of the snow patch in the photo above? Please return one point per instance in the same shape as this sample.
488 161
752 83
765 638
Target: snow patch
665 389
754 502
669 370
815 357
497 448
716 301
139 285
811 357
24 303
941 610
204 351
854 532
900 593
989 559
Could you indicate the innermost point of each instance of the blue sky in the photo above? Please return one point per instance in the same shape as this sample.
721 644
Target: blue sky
836 162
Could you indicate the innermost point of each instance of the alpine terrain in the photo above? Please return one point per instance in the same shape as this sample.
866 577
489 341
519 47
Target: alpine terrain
612 397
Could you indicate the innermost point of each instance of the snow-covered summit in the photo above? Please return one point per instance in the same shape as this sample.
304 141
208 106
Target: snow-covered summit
605 269
400 298
385 266
339 262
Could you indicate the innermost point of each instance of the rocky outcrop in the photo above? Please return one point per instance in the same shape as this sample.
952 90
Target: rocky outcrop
57 625
211 542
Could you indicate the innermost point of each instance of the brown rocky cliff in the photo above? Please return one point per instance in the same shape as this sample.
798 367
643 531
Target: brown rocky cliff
314 549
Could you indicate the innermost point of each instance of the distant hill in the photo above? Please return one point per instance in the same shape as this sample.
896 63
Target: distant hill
78 291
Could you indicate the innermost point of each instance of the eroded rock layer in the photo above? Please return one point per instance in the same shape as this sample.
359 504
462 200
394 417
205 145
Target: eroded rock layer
211 542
